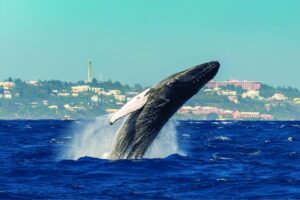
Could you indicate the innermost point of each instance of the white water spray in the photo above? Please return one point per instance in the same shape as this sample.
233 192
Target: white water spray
95 139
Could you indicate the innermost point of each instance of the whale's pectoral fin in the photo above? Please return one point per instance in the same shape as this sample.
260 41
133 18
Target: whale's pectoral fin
134 104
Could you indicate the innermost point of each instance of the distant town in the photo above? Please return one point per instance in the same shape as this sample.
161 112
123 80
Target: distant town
218 100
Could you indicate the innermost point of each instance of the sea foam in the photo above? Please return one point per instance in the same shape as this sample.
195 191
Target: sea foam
95 139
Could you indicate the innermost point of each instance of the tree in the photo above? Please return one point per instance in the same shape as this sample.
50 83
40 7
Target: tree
137 87
212 116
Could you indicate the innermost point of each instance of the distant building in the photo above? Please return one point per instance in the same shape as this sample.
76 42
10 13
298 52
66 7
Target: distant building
54 107
251 115
95 98
266 117
113 92
185 110
63 94
233 99
252 94
7 96
206 110
227 113
73 108
45 102
75 95
295 100
7 85
278 97
246 115
198 110
32 82
111 110
34 104
97 90
247 85
119 97
80 88
226 93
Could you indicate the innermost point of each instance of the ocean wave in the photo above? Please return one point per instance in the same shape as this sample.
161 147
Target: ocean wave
210 169
221 138
255 153
217 157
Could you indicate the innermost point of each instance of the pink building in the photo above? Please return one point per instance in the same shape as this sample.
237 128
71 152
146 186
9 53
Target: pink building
206 110
250 115
247 85
245 115
236 115
266 117
184 110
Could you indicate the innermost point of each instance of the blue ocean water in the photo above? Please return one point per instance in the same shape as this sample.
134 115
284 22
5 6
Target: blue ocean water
221 160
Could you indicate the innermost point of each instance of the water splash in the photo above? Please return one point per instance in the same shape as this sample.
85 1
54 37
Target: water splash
166 142
95 139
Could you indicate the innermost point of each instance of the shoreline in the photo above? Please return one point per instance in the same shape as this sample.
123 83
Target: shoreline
177 119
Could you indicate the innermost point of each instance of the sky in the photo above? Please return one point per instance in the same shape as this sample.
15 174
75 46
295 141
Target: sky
143 41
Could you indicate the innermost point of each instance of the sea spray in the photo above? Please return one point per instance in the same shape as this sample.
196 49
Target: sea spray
166 142
95 139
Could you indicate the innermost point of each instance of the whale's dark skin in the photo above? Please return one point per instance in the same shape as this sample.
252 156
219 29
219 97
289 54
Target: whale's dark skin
142 126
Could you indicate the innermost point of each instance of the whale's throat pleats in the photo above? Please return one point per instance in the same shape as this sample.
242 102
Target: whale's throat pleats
134 104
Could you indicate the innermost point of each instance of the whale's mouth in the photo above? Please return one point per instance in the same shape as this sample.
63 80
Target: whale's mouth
205 71
199 75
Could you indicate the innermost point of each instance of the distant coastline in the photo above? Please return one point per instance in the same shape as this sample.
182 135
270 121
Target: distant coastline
219 100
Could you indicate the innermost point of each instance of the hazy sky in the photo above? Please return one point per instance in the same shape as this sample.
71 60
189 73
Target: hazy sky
142 41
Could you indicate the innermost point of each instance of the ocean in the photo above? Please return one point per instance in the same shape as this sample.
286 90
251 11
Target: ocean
53 159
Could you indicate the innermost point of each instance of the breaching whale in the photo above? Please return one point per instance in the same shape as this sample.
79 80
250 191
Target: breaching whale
149 111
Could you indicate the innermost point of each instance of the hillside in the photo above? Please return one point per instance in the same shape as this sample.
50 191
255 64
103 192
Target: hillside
57 99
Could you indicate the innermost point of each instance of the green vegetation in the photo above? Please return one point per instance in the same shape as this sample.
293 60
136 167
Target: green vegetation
34 100
56 99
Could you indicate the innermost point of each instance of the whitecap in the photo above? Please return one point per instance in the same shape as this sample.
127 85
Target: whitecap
55 141
222 122
186 135
27 126
290 139
196 122
255 153
215 157
222 138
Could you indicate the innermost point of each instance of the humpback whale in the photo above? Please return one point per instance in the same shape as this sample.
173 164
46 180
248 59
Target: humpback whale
149 111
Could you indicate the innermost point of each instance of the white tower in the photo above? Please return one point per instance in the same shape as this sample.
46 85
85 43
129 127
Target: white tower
90 71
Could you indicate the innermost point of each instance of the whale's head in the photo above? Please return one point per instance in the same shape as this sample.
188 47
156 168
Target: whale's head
196 77
183 85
